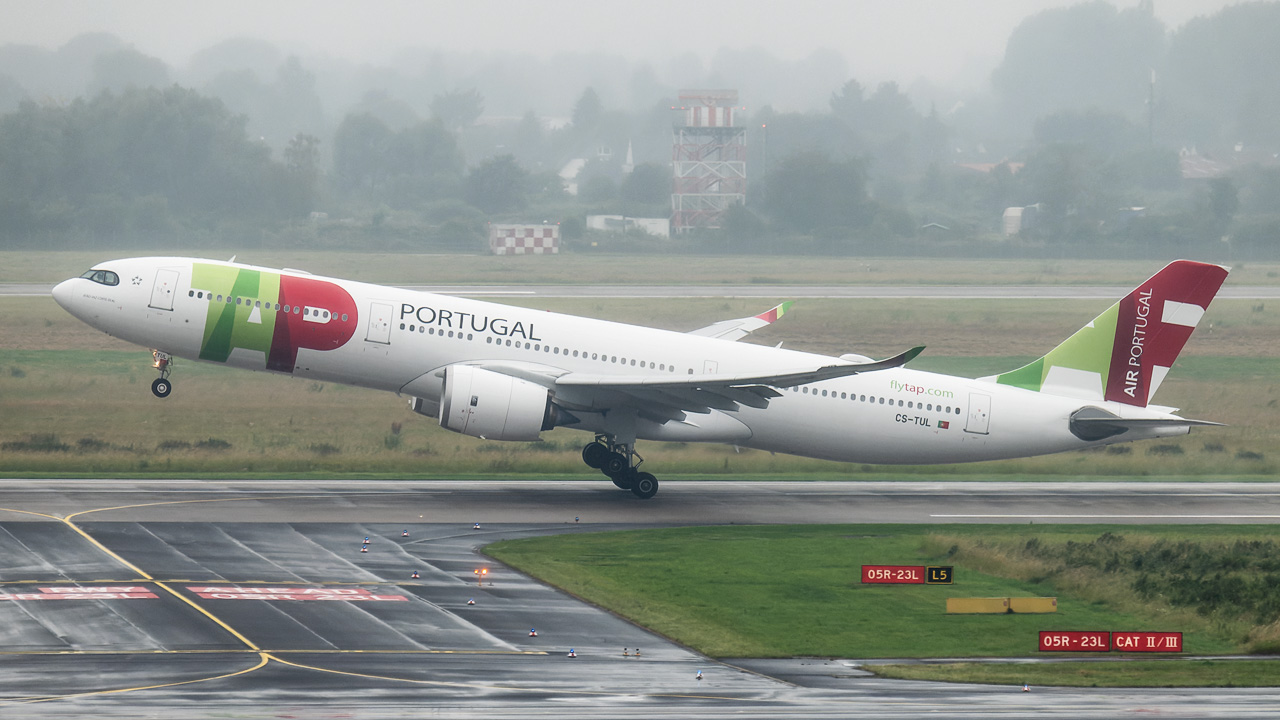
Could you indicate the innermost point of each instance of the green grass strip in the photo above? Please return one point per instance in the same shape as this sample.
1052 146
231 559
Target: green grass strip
1116 674
782 591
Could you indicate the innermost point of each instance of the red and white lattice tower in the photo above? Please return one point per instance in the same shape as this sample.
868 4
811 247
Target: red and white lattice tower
709 159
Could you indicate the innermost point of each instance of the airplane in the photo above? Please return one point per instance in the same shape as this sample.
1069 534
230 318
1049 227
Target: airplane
507 373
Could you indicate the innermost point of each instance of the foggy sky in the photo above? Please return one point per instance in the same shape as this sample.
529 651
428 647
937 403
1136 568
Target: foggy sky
953 42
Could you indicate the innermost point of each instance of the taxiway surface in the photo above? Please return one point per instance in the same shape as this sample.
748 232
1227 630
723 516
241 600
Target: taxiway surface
253 599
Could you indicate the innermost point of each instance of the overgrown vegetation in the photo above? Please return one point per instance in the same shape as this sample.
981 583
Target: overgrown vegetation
1129 673
1232 581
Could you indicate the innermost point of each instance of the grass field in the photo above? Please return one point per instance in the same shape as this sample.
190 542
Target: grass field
777 591
1117 674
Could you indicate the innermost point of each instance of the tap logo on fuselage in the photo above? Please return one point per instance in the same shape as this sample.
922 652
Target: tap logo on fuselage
271 313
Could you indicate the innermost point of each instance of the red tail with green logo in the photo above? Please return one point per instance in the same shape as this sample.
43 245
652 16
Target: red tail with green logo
1125 353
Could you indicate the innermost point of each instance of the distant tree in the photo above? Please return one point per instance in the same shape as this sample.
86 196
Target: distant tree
11 93
458 109
847 102
392 111
360 148
1259 189
587 112
236 54
134 162
1224 201
809 191
528 139
295 105
425 149
1073 197
647 183
597 189
1084 55
302 170
1105 132
1223 79
121 69
497 185
740 225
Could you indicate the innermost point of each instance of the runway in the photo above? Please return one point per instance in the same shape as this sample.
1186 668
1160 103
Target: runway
944 292
209 599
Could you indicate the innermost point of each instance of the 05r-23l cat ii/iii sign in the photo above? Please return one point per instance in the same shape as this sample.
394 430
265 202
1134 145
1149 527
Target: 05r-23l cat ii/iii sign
506 373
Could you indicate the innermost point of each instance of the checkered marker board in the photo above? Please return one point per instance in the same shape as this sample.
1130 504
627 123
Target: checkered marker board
524 239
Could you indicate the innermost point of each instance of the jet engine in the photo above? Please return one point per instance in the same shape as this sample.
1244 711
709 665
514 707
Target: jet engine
493 406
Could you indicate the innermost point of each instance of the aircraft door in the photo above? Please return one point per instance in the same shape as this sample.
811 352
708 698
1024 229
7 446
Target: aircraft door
162 291
380 315
710 367
979 414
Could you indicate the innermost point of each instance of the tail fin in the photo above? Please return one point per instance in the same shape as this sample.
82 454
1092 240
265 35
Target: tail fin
1124 354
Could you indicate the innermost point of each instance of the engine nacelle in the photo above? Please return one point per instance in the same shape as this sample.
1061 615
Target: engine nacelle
493 406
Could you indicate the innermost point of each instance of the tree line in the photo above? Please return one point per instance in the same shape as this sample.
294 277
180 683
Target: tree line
1096 117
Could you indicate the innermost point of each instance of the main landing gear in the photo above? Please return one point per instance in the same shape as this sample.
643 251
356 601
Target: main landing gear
621 464
162 387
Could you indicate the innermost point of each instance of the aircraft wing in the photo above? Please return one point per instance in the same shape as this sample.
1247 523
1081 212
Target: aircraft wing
663 398
741 327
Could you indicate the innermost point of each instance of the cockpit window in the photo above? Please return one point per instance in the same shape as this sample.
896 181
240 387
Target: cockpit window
102 277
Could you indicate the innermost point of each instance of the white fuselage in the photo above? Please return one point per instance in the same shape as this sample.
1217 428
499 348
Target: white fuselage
398 340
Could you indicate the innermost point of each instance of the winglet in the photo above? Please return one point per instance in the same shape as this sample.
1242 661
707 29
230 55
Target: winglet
741 327
772 315
898 360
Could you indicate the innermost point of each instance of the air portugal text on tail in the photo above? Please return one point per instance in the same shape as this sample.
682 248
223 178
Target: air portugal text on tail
509 373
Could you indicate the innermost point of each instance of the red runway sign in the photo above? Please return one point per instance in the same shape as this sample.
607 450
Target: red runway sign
1147 641
905 574
1075 641
226 592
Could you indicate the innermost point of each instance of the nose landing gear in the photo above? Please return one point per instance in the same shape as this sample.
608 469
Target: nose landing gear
620 463
161 387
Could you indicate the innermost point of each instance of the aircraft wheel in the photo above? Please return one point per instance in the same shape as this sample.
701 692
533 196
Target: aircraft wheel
614 464
594 455
161 387
624 482
645 487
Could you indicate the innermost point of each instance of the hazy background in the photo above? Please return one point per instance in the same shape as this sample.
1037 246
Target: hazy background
948 42
1132 128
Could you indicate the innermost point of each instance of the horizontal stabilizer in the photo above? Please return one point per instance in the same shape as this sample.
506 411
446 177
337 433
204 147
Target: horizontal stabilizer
1092 423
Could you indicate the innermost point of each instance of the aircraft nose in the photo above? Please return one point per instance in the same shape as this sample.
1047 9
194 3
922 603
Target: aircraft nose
62 294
